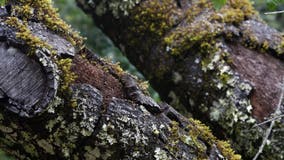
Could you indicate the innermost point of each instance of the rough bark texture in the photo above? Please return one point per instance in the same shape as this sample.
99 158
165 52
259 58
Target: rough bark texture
225 67
60 101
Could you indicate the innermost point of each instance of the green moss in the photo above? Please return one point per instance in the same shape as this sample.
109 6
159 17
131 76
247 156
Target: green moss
199 130
174 138
92 153
280 49
265 45
154 18
235 12
67 77
46 146
73 102
31 149
203 32
25 34
197 135
43 11
5 129
116 7
25 11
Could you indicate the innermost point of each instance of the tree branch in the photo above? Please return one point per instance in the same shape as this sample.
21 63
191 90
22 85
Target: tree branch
95 110
222 66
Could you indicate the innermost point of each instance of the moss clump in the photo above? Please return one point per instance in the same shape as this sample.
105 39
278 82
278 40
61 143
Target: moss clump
280 49
67 77
43 11
202 33
201 131
25 34
235 12
207 27
117 7
174 138
24 11
198 133
153 19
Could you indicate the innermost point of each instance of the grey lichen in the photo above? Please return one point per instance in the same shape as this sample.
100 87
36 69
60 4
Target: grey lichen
161 154
105 135
46 146
92 153
230 108
88 102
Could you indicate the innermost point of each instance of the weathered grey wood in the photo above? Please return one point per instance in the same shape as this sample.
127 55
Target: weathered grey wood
22 80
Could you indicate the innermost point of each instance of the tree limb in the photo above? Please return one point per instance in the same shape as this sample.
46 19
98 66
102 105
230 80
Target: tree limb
222 66
95 110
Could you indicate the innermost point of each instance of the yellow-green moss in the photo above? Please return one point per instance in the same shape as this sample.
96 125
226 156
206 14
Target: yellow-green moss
235 11
227 151
47 14
25 34
73 103
207 28
198 135
201 131
67 77
280 49
153 19
196 9
24 11
174 138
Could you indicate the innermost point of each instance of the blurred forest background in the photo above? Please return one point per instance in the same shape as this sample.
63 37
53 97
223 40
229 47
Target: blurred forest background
104 47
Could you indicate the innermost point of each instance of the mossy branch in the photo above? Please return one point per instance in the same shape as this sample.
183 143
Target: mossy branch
222 66
60 101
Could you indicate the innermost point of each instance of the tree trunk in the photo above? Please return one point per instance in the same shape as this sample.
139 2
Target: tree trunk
60 101
225 67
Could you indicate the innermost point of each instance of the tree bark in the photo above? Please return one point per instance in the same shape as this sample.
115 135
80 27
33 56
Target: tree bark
225 67
60 101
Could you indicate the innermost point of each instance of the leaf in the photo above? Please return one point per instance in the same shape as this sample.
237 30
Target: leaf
218 4
272 5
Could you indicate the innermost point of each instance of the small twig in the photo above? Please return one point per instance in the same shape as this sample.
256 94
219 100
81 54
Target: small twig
268 131
275 12
269 120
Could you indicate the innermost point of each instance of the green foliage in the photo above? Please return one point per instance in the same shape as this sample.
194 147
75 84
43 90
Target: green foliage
274 20
218 4
270 5
2 2
3 156
273 4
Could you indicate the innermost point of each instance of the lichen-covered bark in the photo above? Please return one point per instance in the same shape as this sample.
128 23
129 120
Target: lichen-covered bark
223 66
60 101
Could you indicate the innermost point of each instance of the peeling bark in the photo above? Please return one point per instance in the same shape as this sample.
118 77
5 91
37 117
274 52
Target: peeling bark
223 66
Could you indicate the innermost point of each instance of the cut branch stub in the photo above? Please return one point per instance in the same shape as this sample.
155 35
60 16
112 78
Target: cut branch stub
29 83
27 86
